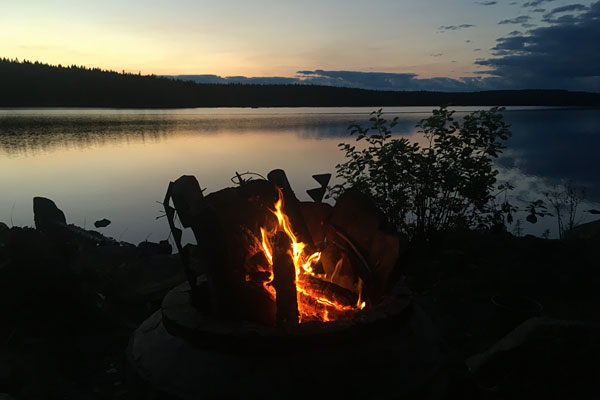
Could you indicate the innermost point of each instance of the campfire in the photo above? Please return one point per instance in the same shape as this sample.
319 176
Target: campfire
276 286
262 255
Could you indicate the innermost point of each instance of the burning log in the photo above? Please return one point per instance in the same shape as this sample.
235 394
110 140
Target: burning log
320 288
225 224
292 208
284 281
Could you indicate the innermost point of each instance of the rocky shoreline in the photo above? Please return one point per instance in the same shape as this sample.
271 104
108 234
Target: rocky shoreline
69 299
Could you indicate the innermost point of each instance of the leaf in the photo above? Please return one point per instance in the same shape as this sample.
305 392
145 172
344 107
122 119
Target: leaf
531 218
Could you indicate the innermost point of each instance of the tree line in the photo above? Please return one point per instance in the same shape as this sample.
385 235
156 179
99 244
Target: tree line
34 84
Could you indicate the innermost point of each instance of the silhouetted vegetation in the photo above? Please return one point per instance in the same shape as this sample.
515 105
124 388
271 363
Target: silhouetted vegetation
448 183
564 200
34 84
444 184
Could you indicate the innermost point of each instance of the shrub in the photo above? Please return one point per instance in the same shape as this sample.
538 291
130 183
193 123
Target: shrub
445 184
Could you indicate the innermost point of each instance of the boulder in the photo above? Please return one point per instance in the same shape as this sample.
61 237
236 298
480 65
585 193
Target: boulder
102 223
542 357
47 215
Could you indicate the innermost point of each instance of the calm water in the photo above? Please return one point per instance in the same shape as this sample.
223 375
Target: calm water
116 164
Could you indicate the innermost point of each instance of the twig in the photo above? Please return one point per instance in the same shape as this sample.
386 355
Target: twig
11 214
241 181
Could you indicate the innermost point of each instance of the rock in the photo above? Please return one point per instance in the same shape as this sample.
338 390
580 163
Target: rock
102 223
239 359
542 357
47 215
4 232
164 247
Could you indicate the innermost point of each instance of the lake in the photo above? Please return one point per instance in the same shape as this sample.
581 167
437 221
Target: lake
116 164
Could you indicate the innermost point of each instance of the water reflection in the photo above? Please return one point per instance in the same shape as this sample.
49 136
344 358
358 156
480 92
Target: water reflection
556 145
31 133
117 163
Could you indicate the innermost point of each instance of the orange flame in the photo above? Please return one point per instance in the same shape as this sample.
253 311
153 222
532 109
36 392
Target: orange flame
309 304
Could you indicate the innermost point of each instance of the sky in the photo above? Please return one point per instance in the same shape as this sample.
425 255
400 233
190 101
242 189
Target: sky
375 44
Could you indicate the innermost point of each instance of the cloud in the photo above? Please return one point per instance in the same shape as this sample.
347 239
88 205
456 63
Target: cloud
570 7
517 20
269 80
486 3
536 3
539 10
550 17
562 55
397 81
387 81
445 28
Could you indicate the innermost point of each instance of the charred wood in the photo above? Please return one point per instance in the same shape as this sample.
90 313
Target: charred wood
186 194
177 233
284 281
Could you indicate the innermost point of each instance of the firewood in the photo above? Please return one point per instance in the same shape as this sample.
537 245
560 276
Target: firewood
284 277
321 288
187 195
361 265
292 207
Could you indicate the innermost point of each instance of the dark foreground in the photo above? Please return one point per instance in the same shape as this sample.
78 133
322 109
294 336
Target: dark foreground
70 300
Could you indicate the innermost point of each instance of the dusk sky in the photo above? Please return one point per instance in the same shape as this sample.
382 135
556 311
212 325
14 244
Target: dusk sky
463 44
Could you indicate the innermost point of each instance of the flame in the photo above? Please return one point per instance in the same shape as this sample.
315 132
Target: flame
310 305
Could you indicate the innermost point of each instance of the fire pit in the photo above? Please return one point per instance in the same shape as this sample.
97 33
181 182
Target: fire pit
295 291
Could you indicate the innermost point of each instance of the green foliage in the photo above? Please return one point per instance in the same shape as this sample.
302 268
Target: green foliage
446 183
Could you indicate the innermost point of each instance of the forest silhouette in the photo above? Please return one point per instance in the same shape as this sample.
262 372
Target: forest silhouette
34 84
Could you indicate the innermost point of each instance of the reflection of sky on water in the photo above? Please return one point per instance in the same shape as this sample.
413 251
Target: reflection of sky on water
528 188
117 163
562 144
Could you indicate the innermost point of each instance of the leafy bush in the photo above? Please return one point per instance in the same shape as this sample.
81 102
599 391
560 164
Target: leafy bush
445 184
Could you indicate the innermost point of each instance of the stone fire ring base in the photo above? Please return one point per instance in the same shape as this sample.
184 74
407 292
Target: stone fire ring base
178 352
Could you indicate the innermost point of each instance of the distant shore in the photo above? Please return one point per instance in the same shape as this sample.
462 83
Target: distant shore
26 84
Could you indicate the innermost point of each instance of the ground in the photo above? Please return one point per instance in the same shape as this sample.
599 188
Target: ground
70 302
